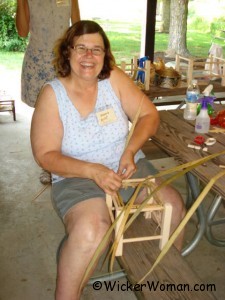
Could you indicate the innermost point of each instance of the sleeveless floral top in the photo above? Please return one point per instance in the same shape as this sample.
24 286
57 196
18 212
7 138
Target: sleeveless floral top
91 139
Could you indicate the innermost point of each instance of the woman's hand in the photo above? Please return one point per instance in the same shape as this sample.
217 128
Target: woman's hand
105 178
127 166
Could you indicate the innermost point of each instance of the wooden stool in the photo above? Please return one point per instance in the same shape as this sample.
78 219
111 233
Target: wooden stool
8 105
203 68
162 212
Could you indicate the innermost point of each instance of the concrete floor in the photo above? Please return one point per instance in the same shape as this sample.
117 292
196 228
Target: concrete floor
31 230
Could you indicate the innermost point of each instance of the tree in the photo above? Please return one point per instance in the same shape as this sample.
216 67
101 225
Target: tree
165 16
178 27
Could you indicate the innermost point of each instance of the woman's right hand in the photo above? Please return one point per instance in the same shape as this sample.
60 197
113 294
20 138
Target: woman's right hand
105 178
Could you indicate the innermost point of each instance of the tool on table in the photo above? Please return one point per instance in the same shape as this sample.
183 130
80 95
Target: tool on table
202 142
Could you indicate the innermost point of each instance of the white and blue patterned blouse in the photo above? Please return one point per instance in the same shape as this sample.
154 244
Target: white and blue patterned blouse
84 138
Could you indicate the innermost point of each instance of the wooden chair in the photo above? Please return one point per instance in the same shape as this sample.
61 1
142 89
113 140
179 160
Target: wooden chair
161 212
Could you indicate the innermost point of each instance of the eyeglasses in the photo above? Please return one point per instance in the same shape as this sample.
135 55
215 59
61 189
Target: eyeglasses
81 49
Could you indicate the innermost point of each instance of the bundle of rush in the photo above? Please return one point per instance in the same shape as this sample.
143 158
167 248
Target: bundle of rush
167 77
159 65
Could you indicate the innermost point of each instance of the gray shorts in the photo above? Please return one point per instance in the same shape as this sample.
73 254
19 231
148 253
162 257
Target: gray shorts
70 191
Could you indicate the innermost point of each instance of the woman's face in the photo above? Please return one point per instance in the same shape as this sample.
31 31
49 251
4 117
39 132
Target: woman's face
87 56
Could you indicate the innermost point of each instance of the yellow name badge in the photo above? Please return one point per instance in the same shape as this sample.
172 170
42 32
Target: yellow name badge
106 117
62 3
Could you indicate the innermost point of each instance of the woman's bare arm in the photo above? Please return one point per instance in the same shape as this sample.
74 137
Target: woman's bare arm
46 140
75 11
132 98
22 18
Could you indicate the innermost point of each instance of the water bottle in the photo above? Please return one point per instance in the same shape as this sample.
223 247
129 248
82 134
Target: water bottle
202 122
192 95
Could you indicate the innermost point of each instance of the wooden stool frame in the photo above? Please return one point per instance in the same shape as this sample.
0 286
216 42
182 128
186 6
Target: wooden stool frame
209 61
153 206
132 68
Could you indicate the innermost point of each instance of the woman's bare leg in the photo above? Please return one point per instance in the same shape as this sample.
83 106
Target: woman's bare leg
86 224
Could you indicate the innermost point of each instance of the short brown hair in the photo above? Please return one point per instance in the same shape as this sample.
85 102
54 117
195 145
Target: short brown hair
63 48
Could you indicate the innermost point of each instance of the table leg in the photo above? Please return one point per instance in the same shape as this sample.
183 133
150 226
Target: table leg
195 191
211 222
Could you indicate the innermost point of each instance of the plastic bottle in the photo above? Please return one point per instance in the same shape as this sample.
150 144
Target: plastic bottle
202 122
192 95
209 97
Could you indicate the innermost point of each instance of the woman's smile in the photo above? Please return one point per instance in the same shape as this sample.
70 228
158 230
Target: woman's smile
87 65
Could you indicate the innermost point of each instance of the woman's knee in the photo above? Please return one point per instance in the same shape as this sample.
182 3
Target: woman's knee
171 195
88 233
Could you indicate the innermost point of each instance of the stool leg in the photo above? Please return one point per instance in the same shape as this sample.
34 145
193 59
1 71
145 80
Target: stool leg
109 203
119 250
165 226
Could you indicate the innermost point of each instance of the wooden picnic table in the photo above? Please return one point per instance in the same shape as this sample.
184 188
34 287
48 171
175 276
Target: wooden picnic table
164 96
173 137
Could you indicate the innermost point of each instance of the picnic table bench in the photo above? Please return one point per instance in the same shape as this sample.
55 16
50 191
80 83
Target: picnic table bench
173 278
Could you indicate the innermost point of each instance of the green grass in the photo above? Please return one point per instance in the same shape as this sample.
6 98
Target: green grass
11 60
199 43
125 40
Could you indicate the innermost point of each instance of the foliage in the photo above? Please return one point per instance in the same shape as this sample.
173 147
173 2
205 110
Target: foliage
129 35
125 37
126 46
9 39
217 26
199 23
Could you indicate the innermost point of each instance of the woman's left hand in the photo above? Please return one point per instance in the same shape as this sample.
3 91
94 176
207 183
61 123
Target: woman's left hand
127 167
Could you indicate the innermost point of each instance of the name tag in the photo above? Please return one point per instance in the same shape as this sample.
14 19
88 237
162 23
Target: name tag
62 3
106 117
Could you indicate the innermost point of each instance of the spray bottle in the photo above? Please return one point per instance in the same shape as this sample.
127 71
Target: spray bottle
202 122
209 98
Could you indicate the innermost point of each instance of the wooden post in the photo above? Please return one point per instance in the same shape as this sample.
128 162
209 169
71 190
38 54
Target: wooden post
123 66
147 74
223 75
177 63
190 71
150 29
